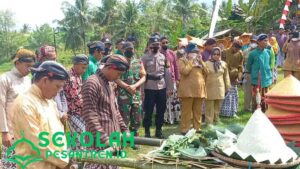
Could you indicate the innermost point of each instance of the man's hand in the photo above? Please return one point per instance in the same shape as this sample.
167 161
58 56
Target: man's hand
6 139
65 117
131 89
113 148
68 166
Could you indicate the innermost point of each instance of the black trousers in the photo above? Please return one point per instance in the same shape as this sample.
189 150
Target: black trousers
152 98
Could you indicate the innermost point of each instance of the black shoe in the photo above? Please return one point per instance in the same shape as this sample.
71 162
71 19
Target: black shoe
199 131
158 134
147 133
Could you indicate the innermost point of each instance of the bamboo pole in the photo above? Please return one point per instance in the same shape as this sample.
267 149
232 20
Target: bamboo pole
133 163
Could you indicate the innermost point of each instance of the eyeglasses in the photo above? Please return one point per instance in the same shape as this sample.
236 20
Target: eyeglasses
165 43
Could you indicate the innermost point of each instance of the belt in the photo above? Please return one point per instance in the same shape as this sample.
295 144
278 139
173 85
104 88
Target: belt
154 77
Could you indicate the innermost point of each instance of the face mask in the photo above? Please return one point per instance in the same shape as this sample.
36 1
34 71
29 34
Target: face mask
106 51
128 53
192 55
165 47
253 45
154 49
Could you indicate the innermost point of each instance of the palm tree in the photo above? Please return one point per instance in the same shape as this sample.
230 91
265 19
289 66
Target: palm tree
105 13
128 20
186 9
25 28
72 37
77 17
40 36
261 15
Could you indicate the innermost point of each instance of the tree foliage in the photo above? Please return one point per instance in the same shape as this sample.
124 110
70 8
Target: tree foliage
83 22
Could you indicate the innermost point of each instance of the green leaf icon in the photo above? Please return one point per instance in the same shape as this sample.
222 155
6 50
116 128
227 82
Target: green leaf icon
23 161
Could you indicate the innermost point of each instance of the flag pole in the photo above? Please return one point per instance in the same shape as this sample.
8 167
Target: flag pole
214 18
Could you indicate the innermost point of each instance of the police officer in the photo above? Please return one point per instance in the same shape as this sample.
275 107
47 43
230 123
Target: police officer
158 84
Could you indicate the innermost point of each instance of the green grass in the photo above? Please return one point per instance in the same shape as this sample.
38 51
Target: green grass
4 67
174 129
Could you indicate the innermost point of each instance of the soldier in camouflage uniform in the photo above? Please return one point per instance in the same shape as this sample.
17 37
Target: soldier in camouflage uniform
129 91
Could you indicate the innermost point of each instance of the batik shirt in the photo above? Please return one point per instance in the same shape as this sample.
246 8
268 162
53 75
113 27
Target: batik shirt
100 111
72 90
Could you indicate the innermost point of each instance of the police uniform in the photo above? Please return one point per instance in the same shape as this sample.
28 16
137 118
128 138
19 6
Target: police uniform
158 81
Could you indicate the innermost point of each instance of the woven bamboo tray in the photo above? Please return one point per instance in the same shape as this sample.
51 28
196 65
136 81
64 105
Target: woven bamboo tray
247 164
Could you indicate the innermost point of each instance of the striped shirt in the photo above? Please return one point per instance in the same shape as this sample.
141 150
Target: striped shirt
100 111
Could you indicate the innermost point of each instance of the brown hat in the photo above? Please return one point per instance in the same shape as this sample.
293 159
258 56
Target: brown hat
246 34
183 41
287 88
24 55
198 41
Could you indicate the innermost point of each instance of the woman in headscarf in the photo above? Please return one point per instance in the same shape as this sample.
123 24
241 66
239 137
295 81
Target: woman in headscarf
275 47
217 84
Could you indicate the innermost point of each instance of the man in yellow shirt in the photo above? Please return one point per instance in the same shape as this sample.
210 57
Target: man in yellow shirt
36 112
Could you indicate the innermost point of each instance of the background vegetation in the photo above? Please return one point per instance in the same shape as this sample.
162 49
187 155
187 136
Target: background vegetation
116 19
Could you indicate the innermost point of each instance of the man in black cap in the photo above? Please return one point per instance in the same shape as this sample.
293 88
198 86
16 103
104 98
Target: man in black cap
36 112
100 111
119 46
108 46
259 66
158 84
72 90
132 39
96 52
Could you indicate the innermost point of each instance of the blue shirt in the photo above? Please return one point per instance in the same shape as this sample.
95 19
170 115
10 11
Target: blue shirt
260 61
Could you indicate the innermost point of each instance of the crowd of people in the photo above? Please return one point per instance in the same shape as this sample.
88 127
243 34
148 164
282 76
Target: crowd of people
110 91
